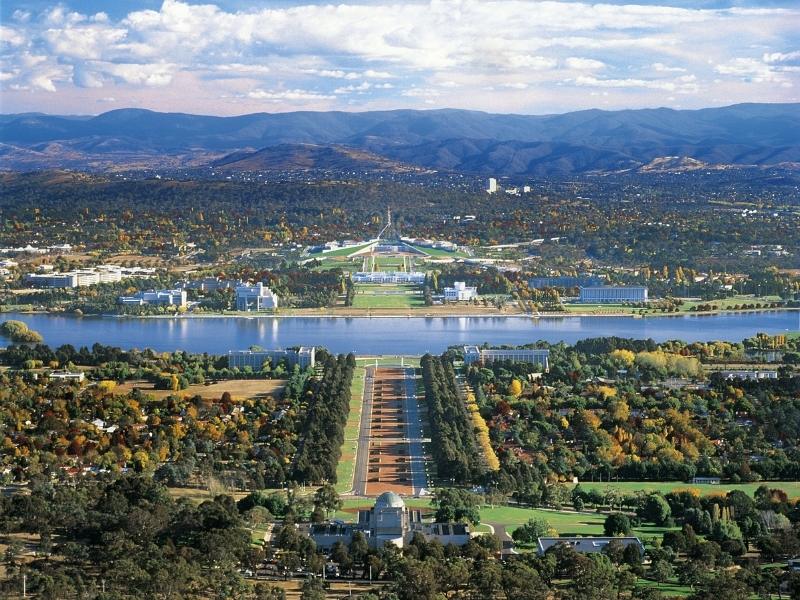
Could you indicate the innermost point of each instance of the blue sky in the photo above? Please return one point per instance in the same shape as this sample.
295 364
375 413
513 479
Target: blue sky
524 56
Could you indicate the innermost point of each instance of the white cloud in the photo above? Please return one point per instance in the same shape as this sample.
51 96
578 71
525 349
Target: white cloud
683 85
10 36
423 47
662 68
755 70
584 64
349 89
287 95
781 57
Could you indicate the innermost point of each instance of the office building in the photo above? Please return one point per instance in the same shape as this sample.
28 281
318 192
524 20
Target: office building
163 297
256 297
485 356
460 292
492 185
612 294
255 359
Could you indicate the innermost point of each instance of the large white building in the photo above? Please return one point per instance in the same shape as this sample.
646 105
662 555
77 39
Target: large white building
164 297
389 521
613 294
492 185
485 356
255 359
83 277
460 292
413 277
256 297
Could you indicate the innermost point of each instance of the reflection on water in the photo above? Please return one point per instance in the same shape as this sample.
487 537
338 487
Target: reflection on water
414 335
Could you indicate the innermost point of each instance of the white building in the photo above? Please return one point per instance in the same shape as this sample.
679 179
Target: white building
749 375
52 280
67 375
256 297
389 521
164 297
485 356
460 292
588 544
612 294
412 277
492 185
255 359
48 278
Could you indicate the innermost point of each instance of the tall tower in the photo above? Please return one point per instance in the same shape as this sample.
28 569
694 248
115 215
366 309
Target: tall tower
389 232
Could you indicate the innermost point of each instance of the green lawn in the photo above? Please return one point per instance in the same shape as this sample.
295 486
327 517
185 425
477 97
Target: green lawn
567 523
726 302
792 488
669 589
387 296
598 309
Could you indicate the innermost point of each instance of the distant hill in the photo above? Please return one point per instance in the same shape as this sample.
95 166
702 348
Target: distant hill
310 157
457 140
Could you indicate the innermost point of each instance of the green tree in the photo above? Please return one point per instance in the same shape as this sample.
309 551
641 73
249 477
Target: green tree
617 524
327 498
530 531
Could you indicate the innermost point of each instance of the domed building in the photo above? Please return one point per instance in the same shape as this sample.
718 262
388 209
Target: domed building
389 521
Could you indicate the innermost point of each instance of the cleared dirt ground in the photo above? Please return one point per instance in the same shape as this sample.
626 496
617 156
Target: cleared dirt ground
238 388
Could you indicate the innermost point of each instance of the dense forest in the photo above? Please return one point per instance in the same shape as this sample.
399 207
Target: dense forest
454 446
326 414
611 408
692 221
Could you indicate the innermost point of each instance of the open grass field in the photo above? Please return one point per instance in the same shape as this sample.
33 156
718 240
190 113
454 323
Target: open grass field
727 302
601 309
346 466
792 488
388 296
239 389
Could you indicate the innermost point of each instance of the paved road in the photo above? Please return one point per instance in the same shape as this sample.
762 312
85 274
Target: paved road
362 453
416 452
412 434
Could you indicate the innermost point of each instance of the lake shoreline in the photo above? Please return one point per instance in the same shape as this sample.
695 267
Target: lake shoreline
404 315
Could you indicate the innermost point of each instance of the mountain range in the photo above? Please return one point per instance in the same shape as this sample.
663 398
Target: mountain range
410 140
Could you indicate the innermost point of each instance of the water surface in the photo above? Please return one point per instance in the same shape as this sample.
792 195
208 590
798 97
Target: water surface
384 335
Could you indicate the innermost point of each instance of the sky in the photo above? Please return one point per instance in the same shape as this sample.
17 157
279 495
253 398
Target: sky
232 57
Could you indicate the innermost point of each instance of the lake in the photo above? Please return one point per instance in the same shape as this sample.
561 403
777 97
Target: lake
411 335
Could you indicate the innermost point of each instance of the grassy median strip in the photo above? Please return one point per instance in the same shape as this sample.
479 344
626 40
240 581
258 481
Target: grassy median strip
347 463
